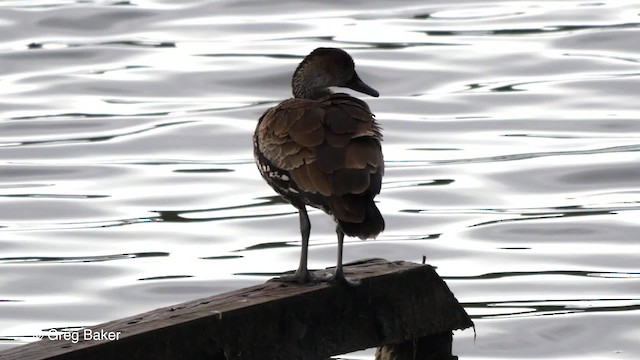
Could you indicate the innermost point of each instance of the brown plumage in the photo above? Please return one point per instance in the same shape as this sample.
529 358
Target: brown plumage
323 150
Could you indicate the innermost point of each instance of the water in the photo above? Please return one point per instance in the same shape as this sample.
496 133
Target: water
511 138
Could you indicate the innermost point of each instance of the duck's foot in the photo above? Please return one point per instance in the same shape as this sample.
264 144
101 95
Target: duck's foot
338 278
300 277
306 277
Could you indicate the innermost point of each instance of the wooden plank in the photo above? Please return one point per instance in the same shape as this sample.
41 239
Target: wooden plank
395 302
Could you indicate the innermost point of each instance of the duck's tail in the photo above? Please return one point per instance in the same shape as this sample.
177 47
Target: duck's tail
365 221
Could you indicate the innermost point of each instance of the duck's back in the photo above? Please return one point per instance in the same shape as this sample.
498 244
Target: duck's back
325 153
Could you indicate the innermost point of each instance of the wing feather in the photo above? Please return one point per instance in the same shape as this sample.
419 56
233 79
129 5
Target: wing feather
330 147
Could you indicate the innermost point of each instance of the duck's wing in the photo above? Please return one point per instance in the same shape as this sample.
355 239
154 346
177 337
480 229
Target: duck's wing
329 148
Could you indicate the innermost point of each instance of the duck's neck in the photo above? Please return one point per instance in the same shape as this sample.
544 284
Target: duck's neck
308 88
306 84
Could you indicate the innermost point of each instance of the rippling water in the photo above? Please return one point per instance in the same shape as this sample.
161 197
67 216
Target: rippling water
512 140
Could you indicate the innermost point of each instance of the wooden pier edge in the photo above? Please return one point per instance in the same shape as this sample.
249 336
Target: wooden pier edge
396 303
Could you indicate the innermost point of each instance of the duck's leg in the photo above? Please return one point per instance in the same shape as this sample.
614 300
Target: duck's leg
305 230
302 275
338 275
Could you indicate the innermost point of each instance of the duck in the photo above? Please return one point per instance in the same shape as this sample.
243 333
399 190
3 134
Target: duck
323 149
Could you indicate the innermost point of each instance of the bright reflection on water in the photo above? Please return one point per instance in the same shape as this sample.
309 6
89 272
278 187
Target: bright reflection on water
511 138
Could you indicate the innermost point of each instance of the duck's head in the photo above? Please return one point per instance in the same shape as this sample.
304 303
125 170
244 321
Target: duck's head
326 67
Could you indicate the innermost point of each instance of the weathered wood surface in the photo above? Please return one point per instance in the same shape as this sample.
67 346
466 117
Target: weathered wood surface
395 302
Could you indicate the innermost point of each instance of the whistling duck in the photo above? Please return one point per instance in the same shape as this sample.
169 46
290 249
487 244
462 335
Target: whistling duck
322 149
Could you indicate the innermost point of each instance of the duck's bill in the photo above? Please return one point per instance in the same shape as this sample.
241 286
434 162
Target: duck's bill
358 85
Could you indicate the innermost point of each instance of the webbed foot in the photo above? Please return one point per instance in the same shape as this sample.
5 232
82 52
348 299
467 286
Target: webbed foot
300 277
338 278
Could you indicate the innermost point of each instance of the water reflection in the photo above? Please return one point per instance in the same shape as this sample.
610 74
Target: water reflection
526 215
511 141
532 31
538 273
516 309
81 259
